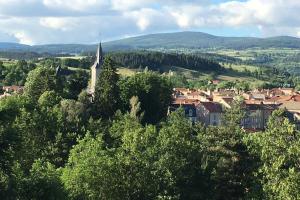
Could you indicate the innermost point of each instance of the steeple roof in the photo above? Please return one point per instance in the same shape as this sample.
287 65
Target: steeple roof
99 59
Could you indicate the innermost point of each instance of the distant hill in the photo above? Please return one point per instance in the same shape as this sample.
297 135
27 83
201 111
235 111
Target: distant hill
13 46
196 40
189 40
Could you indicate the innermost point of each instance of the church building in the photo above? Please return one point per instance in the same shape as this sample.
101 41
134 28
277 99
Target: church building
96 68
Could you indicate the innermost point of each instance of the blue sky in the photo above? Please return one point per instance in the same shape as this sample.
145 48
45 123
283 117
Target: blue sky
88 21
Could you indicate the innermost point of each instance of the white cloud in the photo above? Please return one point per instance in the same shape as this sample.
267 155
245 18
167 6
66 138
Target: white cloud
131 4
78 5
147 17
59 23
23 38
69 21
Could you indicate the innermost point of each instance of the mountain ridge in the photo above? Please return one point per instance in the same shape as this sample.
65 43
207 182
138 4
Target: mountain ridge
187 39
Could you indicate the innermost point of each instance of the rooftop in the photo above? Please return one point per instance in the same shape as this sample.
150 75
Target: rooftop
212 107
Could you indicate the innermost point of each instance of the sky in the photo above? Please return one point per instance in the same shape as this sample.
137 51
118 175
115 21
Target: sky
89 21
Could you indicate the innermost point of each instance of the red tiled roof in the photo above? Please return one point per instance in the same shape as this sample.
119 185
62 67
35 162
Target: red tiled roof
253 102
13 87
291 89
186 101
181 89
280 99
295 98
215 82
260 106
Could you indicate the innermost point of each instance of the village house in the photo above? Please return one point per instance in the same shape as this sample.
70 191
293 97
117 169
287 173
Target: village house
257 116
2 96
281 92
214 82
255 96
182 93
207 106
210 113
13 89
190 108
9 90
226 102
224 93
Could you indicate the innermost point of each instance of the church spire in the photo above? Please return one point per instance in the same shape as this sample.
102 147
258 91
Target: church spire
96 68
99 54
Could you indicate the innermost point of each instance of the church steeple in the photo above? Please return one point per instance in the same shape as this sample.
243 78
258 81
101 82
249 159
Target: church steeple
99 59
96 68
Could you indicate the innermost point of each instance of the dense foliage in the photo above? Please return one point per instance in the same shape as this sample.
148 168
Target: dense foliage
16 73
27 55
120 144
158 60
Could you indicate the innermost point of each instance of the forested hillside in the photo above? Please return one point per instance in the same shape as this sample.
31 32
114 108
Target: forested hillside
157 60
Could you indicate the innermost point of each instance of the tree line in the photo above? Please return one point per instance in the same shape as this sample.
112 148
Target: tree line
28 55
158 60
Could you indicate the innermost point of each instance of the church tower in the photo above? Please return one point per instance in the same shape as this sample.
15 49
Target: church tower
96 68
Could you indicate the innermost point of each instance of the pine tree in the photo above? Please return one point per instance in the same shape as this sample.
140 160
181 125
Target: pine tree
107 91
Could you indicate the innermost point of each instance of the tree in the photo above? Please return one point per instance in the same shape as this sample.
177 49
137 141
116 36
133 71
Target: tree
226 85
242 86
135 111
154 93
75 83
178 80
2 69
49 99
43 182
10 139
37 130
38 81
179 161
106 98
226 157
278 151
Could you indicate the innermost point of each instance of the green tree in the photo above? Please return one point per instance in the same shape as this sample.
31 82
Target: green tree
154 92
43 182
38 81
75 83
226 157
49 99
179 161
2 69
278 151
107 93
122 171
135 111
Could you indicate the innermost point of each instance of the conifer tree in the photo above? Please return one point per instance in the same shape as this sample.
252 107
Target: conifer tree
107 91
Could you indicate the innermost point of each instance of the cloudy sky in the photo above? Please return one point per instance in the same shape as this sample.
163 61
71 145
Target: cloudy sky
88 21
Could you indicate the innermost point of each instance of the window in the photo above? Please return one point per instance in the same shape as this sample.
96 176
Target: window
190 112
215 117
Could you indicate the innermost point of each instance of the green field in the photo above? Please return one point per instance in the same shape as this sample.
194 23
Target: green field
284 58
241 67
